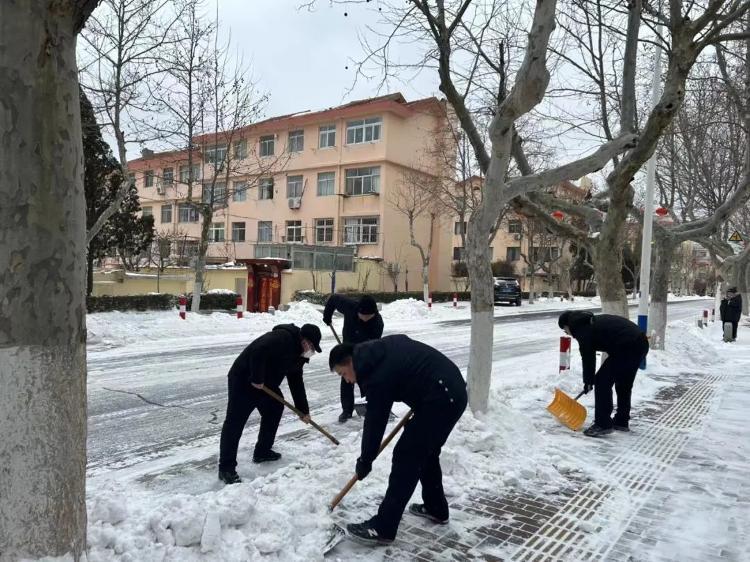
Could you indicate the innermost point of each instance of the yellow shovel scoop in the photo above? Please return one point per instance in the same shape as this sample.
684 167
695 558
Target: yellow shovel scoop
568 410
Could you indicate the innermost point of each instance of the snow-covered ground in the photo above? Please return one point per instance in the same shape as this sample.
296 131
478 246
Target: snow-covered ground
171 506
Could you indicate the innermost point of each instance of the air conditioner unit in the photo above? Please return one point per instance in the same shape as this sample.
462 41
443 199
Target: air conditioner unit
160 189
517 236
295 202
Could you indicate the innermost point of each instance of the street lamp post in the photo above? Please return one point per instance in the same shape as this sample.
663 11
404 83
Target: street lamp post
648 211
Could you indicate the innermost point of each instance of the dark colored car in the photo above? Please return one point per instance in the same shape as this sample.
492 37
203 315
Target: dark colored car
507 289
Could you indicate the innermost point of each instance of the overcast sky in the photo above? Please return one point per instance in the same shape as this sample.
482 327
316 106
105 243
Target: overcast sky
300 57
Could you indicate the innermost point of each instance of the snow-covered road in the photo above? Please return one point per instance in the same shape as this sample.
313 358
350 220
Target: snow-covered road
156 403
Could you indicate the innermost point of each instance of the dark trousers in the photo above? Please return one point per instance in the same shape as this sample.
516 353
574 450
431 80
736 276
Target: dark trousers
734 328
416 458
618 370
243 399
347 396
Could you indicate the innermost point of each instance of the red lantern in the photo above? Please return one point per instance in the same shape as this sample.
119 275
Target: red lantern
558 215
661 211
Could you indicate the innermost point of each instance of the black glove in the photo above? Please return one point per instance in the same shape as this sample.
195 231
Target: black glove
587 388
363 469
327 321
588 380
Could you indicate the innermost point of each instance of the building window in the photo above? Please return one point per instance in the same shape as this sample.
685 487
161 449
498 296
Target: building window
294 186
132 178
327 136
219 198
167 176
363 130
187 213
296 141
515 227
148 178
240 149
147 211
513 253
361 181
265 188
238 231
265 231
185 176
361 230
215 155
267 145
294 231
166 214
216 232
459 227
458 253
239 192
326 183
323 231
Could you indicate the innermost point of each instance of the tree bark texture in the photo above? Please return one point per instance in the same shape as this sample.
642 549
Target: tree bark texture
665 249
42 283
200 260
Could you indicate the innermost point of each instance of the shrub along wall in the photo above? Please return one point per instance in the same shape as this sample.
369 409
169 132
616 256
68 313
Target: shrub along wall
209 301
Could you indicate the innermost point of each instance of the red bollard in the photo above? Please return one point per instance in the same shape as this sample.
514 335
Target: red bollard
564 353
240 308
183 306
429 302
455 300
705 317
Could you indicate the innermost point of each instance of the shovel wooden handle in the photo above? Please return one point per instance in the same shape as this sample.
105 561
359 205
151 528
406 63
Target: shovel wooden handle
335 335
383 445
299 413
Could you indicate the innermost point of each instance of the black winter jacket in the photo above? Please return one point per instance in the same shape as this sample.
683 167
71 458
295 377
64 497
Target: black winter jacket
399 369
731 308
355 331
614 335
270 358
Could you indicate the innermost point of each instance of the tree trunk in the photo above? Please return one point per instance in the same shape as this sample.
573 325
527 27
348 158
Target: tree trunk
531 288
478 259
200 260
42 286
426 281
665 248
607 259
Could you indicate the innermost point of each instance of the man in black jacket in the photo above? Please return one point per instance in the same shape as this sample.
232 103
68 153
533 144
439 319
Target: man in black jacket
399 369
280 353
625 346
362 322
730 309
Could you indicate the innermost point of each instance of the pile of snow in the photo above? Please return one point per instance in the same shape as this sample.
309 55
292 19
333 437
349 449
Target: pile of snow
220 292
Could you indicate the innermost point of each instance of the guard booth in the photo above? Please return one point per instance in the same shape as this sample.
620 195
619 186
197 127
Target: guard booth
264 282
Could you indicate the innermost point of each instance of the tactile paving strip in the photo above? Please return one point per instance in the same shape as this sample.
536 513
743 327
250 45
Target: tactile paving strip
594 518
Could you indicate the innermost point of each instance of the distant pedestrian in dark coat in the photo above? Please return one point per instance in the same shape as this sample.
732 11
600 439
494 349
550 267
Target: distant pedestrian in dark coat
730 309
280 353
625 346
399 369
362 322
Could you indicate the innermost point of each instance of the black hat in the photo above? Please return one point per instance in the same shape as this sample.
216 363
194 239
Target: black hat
732 290
564 319
367 305
312 333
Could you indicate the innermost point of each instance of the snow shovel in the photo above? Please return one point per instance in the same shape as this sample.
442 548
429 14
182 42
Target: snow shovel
299 413
568 410
335 335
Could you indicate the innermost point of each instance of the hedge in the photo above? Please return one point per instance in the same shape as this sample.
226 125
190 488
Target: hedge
388 297
209 301
131 302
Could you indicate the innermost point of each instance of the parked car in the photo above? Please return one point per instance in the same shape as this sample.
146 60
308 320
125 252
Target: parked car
507 289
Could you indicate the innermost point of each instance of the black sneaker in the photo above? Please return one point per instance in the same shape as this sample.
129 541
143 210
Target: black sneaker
597 431
266 456
420 510
617 426
363 533
343 416
229 477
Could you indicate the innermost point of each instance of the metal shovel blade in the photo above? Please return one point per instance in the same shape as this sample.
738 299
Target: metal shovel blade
567 410
336 534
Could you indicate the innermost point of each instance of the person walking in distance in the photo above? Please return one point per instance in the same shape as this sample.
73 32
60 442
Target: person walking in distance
730 310
362 322
626 347
280 353
399 369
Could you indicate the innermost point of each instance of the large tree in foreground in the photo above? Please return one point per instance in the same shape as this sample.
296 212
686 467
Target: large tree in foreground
42 283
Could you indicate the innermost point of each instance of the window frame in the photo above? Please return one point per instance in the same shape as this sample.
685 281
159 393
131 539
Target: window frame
516 251
239 194
192 213
210 154
239 148
515 226
361 179
329 130
296 225
264 226
265 187
147 211
333 184
216 227
298 181
364 126
264 142
148 178
326 229
167 176
295 137
360 239
236 228
166 208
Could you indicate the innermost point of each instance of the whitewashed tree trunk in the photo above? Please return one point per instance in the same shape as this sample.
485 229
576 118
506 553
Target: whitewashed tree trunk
426 281
42 285
532 294
200 260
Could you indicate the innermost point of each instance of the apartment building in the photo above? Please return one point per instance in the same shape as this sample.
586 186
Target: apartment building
321 181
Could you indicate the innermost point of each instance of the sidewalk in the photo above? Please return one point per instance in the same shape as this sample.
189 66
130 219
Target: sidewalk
674 489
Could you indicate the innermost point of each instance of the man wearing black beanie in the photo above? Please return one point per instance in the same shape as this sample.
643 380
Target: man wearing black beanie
362 322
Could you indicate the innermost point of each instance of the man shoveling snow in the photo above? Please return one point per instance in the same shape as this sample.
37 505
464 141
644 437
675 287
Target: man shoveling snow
399 369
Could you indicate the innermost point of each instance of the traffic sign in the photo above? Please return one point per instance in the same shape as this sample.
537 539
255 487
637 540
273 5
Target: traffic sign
736 237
